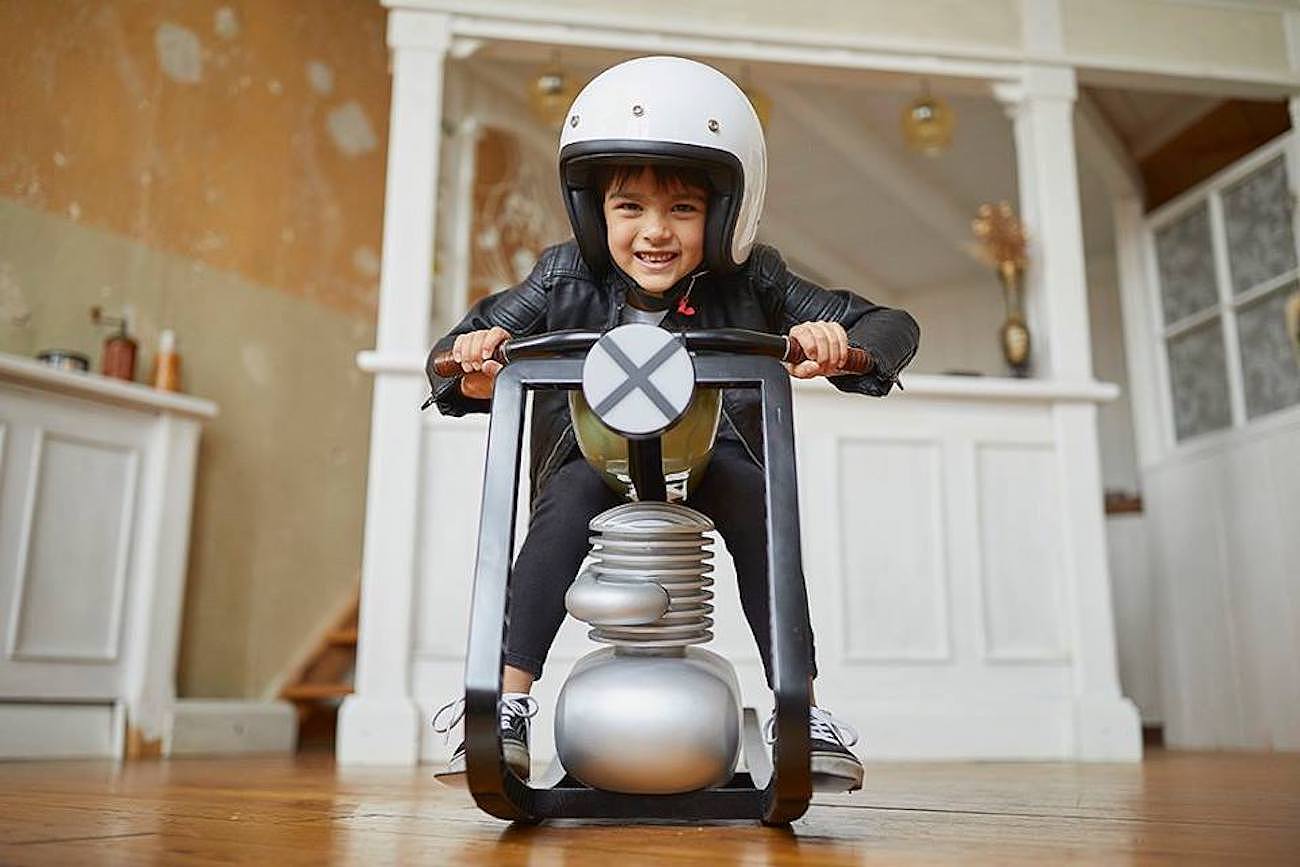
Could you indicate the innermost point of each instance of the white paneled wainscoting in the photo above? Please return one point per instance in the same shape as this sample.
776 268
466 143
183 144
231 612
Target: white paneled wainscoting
1222 518
954 550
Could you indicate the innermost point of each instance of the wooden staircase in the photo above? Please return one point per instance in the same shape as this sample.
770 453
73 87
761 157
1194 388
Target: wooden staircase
323 679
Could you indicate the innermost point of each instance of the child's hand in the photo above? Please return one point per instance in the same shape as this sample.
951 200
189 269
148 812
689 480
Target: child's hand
826 346
474 352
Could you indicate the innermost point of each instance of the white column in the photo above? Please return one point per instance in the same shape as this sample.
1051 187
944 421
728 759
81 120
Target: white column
1107 726
379 724
1041 108
1293 148
459 246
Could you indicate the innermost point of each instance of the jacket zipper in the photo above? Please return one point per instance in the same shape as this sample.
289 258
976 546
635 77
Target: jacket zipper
550 458
740 436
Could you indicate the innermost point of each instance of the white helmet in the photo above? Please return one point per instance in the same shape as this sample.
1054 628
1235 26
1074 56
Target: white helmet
675 111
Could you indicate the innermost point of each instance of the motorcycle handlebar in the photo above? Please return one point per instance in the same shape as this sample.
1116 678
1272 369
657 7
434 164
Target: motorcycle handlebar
737 341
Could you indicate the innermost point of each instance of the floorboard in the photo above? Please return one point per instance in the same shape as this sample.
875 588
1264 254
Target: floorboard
1175 808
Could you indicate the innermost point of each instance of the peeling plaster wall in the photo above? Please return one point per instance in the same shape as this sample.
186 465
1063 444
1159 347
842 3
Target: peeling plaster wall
220 167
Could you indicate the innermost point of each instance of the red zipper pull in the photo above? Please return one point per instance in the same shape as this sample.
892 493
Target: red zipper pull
684 308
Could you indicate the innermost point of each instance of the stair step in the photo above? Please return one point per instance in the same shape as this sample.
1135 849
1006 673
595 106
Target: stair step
316 691
343 637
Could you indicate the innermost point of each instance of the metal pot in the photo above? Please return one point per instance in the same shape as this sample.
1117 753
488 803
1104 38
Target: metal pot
64 359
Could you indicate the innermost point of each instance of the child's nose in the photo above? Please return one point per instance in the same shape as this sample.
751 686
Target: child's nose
657 227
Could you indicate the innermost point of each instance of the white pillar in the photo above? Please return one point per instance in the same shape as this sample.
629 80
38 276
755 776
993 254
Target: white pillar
1107 726
379 724
460 241
1293 148
1041 108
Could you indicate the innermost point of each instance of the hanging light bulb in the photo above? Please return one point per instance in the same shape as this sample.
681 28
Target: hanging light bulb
928 123
551 94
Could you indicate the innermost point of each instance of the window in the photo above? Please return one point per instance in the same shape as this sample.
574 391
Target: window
1227 272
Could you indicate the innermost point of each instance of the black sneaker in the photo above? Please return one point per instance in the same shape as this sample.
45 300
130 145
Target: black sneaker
834 767
517 709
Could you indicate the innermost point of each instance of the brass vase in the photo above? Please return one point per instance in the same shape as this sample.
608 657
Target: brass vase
1014 334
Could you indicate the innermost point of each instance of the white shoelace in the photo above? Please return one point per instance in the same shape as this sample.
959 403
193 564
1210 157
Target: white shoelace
822 725
513 706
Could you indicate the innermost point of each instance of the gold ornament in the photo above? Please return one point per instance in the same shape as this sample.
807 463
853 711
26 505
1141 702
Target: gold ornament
928 124
1003 245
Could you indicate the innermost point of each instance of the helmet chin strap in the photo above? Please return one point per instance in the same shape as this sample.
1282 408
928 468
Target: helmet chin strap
678 295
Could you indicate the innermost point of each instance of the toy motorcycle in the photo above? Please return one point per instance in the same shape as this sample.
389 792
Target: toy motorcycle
651 726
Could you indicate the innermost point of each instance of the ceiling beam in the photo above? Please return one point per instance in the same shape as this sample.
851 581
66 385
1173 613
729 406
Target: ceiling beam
1101 148
882 167
1170 124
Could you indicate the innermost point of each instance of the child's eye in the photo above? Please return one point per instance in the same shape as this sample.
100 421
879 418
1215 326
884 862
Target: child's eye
685 208
627 206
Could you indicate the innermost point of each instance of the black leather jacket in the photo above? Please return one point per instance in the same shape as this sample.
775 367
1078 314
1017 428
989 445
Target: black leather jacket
561 293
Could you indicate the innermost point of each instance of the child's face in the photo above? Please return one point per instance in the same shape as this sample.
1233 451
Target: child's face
656 235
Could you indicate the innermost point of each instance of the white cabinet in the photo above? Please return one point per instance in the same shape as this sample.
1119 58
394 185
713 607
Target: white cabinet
96 479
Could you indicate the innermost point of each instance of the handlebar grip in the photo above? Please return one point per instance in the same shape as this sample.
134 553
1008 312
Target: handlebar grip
448 368
857 361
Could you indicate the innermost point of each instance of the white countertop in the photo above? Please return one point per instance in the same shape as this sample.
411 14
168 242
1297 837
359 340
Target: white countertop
27 372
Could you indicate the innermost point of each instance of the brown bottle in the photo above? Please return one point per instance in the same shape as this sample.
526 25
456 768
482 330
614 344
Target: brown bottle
118 360
119 356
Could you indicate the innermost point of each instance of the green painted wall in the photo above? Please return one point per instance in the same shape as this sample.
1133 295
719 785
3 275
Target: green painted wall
276 541
218 166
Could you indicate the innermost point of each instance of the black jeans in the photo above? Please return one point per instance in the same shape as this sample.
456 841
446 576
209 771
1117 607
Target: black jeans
732 493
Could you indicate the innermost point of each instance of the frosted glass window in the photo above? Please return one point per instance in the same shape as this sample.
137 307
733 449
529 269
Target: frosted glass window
1257 217
1269 367
1186 259
1198 378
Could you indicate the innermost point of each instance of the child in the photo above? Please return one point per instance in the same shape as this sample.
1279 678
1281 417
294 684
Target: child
663 168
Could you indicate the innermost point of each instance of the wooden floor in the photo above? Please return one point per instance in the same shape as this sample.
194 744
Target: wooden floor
1176 808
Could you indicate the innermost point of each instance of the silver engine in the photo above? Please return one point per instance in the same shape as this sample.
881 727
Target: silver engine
653 713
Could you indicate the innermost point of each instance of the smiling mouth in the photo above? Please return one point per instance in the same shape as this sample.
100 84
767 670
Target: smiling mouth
654 259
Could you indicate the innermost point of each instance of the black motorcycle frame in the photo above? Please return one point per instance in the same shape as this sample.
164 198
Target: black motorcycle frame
778 800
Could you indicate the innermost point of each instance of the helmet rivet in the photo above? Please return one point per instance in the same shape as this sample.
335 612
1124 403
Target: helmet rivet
573 121
638 110
714 126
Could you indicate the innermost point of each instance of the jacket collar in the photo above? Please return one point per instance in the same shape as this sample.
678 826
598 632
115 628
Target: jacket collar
677 299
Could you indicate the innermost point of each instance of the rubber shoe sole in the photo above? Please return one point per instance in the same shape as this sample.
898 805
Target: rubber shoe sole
835 772
516 758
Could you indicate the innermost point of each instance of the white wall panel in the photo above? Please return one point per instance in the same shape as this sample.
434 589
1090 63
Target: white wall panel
933 555
1223 516
1137 615
1267 681
892 551
1284 598
1201 697
449 516
1021 552
74 555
